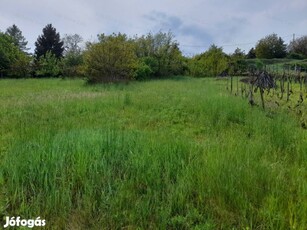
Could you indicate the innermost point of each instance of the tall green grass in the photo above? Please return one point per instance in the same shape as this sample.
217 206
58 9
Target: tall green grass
149 155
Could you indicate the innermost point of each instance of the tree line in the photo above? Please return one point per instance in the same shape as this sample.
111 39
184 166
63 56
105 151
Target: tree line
117 57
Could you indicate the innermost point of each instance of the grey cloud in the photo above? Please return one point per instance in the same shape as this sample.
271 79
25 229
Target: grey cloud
194 23
192 37
164 21
227 30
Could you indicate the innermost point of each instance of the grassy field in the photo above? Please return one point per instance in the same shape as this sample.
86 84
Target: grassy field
167 154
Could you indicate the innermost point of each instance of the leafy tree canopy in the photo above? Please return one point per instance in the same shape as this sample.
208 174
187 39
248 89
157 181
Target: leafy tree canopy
72 44
299 46
238 53
13 62
7 51
111 59
211 63
237 62
73 56
270 47
161 53
251 53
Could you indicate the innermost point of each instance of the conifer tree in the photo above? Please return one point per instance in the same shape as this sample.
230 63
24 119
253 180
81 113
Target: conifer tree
18 39
49 41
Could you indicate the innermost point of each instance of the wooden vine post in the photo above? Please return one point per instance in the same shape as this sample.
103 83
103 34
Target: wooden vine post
288 84
250 95
282 85
231 83
300 78
262 99
264 81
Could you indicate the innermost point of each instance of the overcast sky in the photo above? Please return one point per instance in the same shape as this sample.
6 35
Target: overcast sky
196 24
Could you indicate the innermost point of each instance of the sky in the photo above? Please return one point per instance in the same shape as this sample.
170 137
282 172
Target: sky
196 24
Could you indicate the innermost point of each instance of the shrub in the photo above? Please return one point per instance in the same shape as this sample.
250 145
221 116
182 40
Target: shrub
48 66
143 71
112 59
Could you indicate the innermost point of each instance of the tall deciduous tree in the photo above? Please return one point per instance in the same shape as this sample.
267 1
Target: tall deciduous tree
161 53
215 60
13 62
271 46
18 39
73 56
299 46
7 53
72 43
237 62
49 41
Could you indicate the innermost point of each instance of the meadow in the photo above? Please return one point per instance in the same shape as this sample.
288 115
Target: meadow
167 154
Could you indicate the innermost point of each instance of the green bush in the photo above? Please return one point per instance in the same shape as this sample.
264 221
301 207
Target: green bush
209 64
112 59
13 62
296 56
48 66
72 65
143 71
